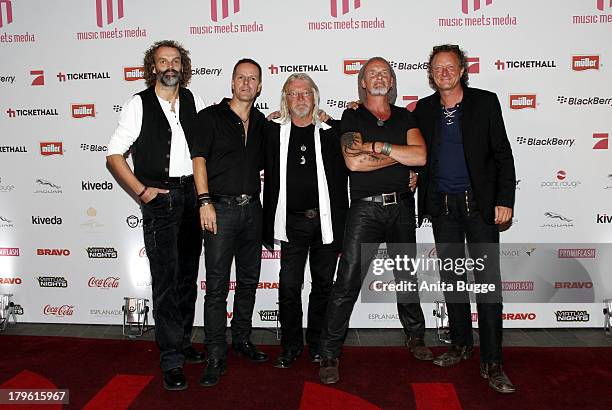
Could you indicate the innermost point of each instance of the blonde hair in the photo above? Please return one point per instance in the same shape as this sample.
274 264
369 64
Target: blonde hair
284 107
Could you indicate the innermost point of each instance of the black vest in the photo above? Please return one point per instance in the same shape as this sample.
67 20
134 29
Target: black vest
151 150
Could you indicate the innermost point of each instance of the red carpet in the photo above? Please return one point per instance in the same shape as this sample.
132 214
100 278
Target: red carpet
115 374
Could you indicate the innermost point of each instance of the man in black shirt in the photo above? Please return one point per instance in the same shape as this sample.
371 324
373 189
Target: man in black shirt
227 157
305 202
380 143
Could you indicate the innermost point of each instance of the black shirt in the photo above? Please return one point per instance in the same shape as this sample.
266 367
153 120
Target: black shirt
394 178
452 174
302 189
232 167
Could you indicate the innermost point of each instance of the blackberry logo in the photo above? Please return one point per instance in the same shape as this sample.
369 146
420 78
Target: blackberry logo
117 108
561 99
338 103
546 141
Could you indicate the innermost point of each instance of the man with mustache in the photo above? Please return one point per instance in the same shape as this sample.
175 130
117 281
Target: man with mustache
156 125
380 143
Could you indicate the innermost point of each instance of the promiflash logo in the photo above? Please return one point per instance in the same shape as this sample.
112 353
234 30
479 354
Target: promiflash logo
110 9
335 10
214 9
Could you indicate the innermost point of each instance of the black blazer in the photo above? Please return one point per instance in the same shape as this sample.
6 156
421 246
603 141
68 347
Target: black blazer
335 172
487 152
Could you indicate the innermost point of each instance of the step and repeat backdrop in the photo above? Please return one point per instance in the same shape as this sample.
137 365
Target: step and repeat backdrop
71 243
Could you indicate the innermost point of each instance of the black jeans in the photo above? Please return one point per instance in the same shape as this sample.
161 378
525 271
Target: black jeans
304 236
173 241
459 222
373 223
239 236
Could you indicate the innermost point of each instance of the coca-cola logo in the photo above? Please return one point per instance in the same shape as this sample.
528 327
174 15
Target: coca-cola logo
110 282
64 310
142 252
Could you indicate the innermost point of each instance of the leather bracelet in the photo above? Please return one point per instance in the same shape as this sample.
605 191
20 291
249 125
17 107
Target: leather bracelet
205 195
374 147
143 191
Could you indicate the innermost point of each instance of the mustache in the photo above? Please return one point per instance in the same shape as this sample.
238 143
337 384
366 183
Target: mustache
170 70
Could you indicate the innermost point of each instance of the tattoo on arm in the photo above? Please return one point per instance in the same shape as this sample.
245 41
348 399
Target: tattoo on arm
347 140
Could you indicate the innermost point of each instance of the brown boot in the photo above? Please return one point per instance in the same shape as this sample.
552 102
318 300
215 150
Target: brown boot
417 347
454 355
498 380
328 372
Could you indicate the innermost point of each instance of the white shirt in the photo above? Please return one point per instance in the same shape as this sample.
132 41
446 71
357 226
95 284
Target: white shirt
128 130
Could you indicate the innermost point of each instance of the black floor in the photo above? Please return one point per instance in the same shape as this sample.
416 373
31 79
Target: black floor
356 337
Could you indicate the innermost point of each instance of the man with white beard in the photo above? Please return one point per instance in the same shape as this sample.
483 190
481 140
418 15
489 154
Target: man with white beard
380 143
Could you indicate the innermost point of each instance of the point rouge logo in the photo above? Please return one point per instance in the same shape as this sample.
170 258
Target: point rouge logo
214 9
521 101
352 66
465 5
60 311
603 141
110 282
51 148
600 4
39 77
109 9
52 252
133 73
6 5
473 65
334 9
9 251
583 63
82 110
411 101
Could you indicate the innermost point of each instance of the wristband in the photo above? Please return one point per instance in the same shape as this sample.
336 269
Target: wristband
143 191
374 147
386 149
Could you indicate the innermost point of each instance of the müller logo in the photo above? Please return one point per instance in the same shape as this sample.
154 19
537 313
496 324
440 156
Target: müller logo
335 10
133 73
82 110
465 5
110 9
352 66
51 148
521 101
6 6
582 63
224 12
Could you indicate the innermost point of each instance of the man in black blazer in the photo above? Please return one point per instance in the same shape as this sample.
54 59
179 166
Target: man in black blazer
305 204
467 189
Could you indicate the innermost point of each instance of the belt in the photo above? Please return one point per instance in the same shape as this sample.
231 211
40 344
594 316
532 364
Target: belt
387 199
240 200
308 213
177 182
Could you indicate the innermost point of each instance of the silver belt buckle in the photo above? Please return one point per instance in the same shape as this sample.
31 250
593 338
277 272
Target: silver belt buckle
243 199
389 199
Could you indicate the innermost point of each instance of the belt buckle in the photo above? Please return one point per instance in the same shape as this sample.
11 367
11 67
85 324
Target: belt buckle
391 201
311 213
243 199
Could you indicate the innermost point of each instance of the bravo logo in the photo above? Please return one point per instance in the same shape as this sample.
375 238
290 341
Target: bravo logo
582 63
10 281
521 101
573 285
82 110
133 73
52 252
352 66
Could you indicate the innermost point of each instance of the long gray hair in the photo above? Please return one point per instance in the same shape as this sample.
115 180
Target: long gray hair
284 107
391 95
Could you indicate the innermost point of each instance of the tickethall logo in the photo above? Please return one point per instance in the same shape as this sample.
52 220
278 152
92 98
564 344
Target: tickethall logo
39 77
473 65
63 77
47 187
261 105
572 316
410 101
351 66
546 141
560 182
13 148
93 147
5 222
556 220
110 8
133 73
48 148
101 253
96 186
522 101
336 10
583 63
4 187
133 221
584 101
219 13
408 66
31 112
524 64
10 281
82 110
305 68
603 141
604 218
52 282
268 315
6 10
